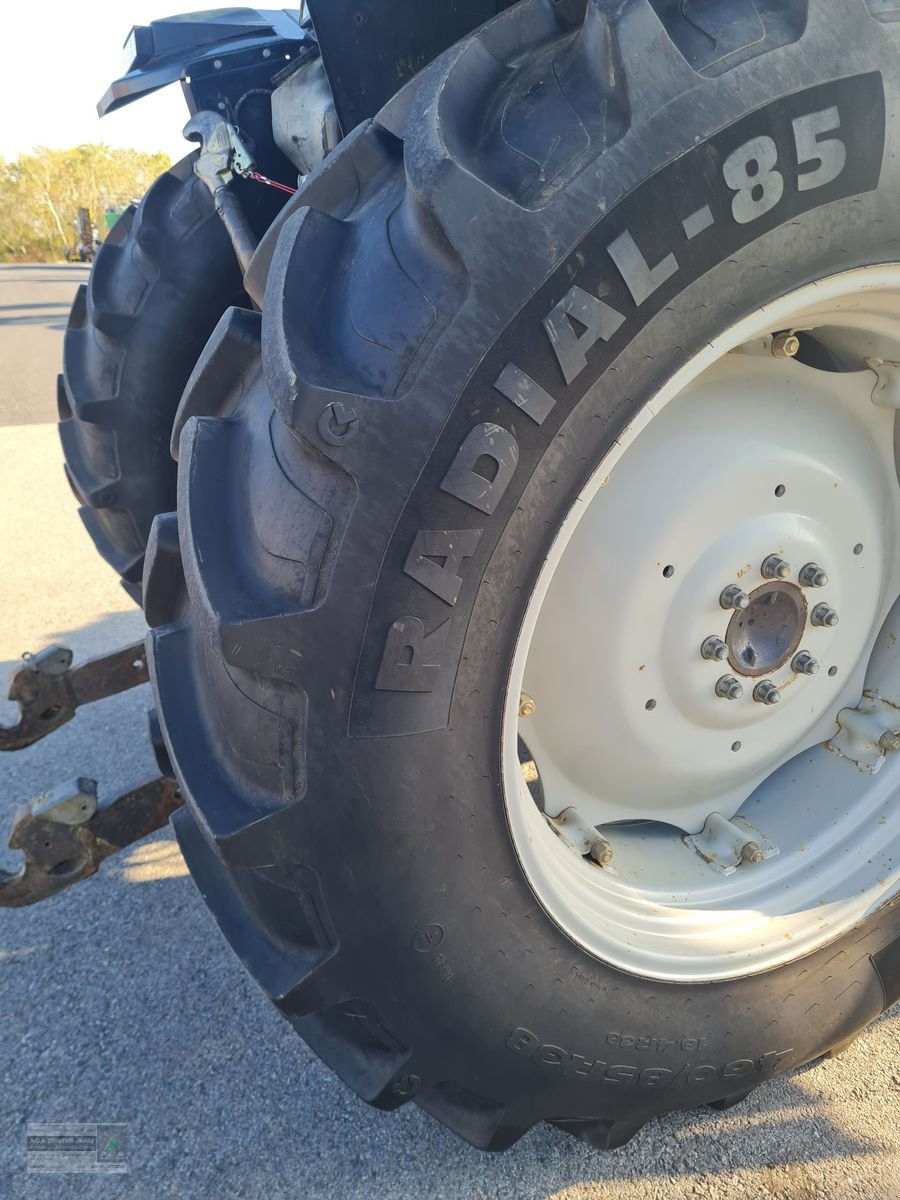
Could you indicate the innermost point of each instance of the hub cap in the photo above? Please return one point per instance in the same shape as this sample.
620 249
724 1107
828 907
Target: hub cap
712 603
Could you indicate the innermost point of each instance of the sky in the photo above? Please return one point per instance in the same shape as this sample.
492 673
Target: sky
57 58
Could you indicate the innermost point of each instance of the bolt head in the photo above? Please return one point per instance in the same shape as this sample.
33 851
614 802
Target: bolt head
785 345
775 567
714 649
601 852
734 597
729 688
824 614
812 575
889 741
766 692
527 706
804 663
751 853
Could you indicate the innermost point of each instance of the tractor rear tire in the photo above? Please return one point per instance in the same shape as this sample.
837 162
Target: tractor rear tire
159 284
469 309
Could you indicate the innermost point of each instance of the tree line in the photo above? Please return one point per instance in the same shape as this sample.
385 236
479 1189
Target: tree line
41 193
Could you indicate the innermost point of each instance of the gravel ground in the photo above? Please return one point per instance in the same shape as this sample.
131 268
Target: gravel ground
120 1002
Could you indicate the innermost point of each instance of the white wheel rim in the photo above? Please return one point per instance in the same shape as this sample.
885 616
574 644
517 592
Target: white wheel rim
627 725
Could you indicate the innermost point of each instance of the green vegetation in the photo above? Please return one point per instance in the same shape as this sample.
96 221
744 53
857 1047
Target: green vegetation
41 192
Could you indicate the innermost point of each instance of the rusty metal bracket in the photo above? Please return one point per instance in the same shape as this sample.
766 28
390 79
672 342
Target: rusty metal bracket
48 689
66 834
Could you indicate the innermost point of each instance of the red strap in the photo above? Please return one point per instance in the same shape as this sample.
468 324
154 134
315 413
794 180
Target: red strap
282 187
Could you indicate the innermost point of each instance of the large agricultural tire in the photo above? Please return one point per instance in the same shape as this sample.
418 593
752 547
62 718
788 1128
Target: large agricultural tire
159 284
568 214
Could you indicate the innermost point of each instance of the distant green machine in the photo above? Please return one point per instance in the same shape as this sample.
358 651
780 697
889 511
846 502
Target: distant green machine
112 214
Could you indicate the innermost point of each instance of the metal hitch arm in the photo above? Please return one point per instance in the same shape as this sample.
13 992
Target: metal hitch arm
48 690
65 835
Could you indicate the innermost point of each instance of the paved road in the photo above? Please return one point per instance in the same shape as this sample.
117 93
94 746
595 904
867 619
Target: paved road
120 1002
34 305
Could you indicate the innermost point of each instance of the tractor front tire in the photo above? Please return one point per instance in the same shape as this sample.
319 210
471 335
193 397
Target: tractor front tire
479 302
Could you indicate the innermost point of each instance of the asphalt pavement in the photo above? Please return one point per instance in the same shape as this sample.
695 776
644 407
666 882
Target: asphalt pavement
35 299
120 1002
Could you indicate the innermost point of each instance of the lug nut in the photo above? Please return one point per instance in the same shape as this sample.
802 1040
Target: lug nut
734 597
785 345
804 663
812 575
766 692
729 688
601 852
527 706
824 614
751 853
889 740
775 567
714 648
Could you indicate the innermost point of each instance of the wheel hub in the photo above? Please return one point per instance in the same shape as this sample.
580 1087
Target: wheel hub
763 636
632 720
711 605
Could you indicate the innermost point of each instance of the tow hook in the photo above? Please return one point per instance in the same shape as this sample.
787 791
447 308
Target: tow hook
66 833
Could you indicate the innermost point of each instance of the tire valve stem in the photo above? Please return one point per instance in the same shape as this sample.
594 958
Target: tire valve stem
734 597
824 614
812 575
775 567
729 688
714 649
804 663
766 692
527 706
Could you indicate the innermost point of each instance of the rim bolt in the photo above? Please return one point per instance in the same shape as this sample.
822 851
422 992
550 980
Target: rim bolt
766 692
889 740
812 575
785 345
824 614
775 567
729 688
804 663
734 597
714 648
601 851
751 853
527 706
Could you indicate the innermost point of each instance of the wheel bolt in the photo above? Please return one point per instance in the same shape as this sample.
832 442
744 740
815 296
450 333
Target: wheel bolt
824 614
601 851
889 740
785 345
714 648
734 597
766 692
804 663
812 575
527 706
729 688
775 567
